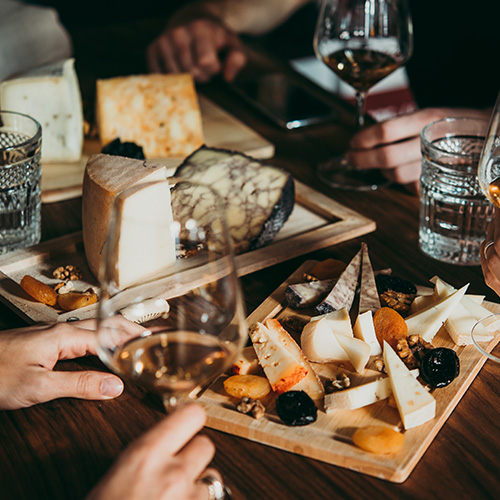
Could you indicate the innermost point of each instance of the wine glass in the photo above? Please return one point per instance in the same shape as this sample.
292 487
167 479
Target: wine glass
488 170
171 313
489 325
362 41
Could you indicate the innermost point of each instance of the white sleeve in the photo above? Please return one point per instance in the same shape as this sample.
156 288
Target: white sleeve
29 37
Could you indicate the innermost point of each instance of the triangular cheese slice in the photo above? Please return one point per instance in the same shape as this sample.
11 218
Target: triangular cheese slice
319 344
357 350
283 362
427 322
415 405
368 298
365 331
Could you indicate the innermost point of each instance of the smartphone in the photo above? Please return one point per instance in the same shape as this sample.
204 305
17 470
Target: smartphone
286 102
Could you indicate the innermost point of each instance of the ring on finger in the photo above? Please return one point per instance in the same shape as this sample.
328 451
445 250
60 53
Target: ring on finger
486 247
216 488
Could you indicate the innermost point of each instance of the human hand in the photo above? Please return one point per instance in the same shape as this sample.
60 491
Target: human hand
28 356
490 254
165 463
202 47
394 145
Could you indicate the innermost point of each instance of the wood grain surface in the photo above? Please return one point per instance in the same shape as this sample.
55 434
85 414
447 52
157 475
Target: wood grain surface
60 449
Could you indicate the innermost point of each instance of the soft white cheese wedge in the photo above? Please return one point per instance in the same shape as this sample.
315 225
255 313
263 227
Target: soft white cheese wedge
361 395
339 322
357 350
415 405
284 364
51 95
365 331
145 243
427 322
319 344
421 302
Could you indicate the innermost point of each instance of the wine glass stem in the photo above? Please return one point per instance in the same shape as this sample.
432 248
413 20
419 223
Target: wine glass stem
360 110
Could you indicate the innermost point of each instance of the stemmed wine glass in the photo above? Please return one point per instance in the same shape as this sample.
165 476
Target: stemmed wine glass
171 313
362 41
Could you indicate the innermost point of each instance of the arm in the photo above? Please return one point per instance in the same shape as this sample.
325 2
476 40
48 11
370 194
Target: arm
394 145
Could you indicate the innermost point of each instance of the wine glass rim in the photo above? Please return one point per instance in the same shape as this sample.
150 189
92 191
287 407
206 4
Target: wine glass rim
476 344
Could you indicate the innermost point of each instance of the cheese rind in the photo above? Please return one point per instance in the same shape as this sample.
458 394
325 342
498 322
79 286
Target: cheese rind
51 95
416 406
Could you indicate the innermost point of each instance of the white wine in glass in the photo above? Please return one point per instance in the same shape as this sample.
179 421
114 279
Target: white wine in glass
171 313
362 41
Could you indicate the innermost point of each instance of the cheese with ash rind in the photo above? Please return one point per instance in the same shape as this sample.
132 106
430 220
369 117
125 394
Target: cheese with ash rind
106 177
258 198
51 95
416 406
368 297
302 295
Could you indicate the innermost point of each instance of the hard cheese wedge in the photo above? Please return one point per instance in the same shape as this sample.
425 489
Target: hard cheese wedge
143 244
365 331
427 322
283 362
368 298
51 95
246 363
415 405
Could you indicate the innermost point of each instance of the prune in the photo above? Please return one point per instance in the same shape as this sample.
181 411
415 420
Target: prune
126 149
296 408
439 366
387 282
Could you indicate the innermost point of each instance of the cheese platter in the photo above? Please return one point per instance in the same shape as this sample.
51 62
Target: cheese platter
316 222
221 130
330 437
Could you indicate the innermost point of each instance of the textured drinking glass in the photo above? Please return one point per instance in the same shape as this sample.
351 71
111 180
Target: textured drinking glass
20 173
454 213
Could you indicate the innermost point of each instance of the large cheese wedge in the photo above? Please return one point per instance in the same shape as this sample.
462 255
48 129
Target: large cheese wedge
368 298
106 177
51 95
142 244
427 322
415 405
319 344
361 395
258 198
158 112
283 362
365 331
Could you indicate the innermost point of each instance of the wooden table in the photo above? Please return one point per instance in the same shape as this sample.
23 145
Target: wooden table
58 450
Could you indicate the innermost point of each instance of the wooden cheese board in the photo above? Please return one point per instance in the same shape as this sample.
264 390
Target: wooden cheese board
328 439
220 129
316 222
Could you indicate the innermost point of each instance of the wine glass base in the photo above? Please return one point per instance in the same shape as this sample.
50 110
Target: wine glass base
338 174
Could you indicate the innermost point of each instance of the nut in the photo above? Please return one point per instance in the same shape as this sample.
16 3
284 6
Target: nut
68 272
379 364
341 382
64 287
398 301
252 406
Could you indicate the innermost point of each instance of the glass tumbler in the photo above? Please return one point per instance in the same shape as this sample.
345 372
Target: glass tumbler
20 174
454 213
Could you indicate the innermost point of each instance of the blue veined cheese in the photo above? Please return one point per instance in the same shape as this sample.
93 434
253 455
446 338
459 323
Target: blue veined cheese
51 95
258 198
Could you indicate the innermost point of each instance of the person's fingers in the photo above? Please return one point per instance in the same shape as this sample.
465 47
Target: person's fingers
404 174
82 384
172 433
202 487
183 42
387 156
233 64
166 54
198 453
153 58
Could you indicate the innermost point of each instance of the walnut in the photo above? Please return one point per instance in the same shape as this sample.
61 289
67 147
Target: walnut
67 273
379 364
398 301
252 406
341 382
412 349
64 287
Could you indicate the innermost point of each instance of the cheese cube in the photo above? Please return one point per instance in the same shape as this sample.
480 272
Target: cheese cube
51 95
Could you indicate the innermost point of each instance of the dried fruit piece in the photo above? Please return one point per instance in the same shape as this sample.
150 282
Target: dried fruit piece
389 326
251 386
325 270
296 408
76 300
39 291
378 439
439 366
388 282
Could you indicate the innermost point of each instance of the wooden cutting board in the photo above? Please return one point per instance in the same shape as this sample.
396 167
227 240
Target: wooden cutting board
329 438
221 130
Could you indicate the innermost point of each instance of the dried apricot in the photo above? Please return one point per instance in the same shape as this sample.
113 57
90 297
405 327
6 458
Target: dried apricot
378 439
250 386
389 326
327 269
39 291
76 300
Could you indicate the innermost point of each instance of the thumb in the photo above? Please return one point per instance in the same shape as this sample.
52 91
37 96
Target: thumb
234 62
81 384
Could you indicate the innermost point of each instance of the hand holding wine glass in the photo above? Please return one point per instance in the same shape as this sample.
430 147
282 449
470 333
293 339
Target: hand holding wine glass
190 306
362 41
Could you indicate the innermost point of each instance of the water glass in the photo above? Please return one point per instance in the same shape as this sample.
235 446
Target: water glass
20 174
